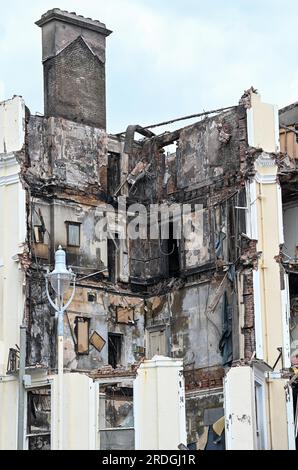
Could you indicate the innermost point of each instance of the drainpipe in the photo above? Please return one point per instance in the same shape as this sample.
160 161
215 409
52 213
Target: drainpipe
21 403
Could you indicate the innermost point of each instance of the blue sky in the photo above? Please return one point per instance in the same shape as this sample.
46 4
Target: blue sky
165 58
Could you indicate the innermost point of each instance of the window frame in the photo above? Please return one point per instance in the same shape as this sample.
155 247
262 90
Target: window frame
76 224
260 400
121 338
26 435
162 328
41 234
102 396
76 332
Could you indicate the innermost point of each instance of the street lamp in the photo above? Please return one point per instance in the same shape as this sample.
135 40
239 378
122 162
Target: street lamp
60 280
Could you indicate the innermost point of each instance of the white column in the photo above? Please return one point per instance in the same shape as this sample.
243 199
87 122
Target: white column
159 405
240 421
80 412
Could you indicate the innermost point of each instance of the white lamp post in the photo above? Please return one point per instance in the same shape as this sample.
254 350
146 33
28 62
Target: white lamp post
60 280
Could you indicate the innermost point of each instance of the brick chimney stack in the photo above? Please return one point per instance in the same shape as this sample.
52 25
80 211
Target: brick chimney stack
73 55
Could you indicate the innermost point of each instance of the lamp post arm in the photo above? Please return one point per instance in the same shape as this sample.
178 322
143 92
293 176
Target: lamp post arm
55 307
71 297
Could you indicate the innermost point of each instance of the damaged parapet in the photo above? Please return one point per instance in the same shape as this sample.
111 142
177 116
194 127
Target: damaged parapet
73 55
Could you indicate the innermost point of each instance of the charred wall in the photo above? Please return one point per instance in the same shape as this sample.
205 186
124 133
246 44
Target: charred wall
73 170
65 154
207 169
208 150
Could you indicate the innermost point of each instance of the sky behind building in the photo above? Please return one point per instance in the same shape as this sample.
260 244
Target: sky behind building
165 58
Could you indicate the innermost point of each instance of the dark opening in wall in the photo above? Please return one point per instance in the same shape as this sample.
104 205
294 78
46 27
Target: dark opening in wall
293 287
173 252
113 258
293 284
113 172
91 297
115 347
231 229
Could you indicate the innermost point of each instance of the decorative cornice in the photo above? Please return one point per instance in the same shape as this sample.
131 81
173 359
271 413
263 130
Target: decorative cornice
73 18
9 179
265 179
265 160
8 160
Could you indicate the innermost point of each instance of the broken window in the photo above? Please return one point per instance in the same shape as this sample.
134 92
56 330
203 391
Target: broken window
116 249
97 341
115 346
91 297
39 419
114 258
156 342
173 252
125 315
39 233
73 233
13 360
116 419
113 172
82 334
226 340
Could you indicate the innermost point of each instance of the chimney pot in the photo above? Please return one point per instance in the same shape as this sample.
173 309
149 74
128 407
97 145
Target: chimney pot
73 55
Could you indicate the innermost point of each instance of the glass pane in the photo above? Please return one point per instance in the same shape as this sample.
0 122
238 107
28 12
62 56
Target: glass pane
117 439
73 235
39 411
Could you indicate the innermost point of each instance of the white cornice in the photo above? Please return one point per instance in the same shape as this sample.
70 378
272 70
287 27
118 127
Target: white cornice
265 179
9 179
7 160
265 160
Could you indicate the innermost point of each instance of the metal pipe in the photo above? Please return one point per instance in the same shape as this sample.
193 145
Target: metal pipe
60 368
183 118
60 385
21 401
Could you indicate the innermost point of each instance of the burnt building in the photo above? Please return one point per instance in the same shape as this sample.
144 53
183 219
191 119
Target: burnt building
204 299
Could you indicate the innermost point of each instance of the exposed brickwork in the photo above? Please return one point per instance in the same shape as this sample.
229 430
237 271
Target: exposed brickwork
75 85
248 329
211 377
